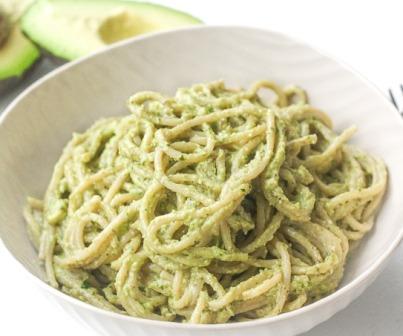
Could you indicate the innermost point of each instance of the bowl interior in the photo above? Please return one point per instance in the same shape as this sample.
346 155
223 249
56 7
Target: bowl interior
39 123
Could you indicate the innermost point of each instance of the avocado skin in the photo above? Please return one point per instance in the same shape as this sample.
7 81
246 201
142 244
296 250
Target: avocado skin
55 60
10 83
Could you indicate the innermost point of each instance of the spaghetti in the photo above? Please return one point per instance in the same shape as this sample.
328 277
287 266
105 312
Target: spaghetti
206 207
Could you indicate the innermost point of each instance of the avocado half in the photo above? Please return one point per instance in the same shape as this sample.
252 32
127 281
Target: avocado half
69 29
17 53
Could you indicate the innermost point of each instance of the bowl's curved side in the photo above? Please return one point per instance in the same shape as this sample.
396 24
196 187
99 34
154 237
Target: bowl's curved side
38 123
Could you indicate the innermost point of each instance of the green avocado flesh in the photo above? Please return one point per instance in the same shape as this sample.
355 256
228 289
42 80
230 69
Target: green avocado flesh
70 29
17 53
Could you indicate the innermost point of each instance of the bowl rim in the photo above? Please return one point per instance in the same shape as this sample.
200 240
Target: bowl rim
354 284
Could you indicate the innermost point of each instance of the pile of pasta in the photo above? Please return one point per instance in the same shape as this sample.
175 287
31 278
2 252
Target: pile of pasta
210 206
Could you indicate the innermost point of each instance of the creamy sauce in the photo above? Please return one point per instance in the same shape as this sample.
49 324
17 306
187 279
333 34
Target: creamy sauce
206 207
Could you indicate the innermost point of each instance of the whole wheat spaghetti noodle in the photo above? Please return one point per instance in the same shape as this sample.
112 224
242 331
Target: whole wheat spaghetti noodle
206 207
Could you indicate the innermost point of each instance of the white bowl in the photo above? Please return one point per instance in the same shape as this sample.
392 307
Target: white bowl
36 126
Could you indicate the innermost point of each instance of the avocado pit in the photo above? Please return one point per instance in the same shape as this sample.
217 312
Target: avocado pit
4 28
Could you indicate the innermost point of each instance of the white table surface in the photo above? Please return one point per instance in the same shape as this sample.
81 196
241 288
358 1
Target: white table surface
365 34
